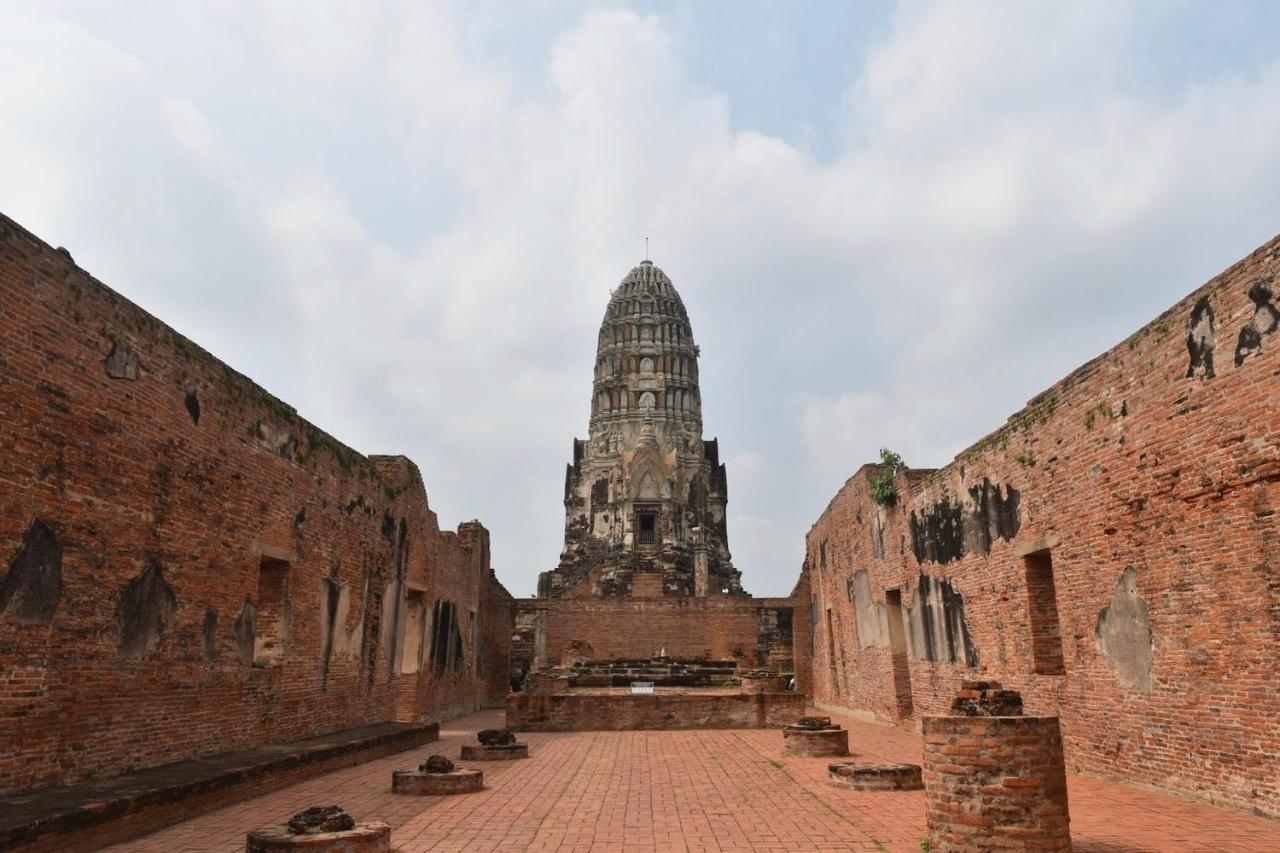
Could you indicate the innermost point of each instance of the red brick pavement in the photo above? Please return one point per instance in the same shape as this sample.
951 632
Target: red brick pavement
696 791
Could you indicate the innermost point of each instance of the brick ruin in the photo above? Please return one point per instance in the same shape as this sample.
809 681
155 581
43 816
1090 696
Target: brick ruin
1109 553
190 567
646 568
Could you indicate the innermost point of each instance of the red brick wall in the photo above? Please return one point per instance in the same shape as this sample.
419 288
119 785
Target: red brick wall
717 627
1152 487
573 712
134 533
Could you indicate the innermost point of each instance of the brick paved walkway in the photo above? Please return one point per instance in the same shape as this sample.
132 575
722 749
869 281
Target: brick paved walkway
712 791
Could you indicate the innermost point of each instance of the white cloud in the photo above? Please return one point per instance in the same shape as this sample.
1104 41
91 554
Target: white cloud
431 229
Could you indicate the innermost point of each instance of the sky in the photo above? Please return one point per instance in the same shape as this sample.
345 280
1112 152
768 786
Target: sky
892 223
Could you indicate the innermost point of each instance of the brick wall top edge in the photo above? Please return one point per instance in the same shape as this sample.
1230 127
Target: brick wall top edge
913 482
36 252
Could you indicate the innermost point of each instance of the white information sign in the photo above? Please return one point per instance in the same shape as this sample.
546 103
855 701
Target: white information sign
642 687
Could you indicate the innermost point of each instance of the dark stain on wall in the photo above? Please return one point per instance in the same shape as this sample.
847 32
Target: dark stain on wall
210 635
193 405
32 586
937 535
145 608
1266 317
1200 340
938 627
992 515
948 530
331 592
244 631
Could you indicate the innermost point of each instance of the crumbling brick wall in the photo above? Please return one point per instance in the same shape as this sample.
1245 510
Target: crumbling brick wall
1110 552
190 567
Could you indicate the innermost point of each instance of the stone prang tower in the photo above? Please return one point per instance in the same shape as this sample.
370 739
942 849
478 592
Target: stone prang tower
645 496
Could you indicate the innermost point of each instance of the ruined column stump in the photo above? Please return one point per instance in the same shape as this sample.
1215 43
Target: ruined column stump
876 777
546 683
438 777
815 737
495 745
760 681
993 778
321 830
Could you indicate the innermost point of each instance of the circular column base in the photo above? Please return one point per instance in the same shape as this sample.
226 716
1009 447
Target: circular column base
815 743
509 752
455 782
371 837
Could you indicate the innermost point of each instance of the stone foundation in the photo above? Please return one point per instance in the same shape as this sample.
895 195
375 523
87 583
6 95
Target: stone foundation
994 782
581 711
815 737
480 752
545 684
876 777
453 782
760 683
372 837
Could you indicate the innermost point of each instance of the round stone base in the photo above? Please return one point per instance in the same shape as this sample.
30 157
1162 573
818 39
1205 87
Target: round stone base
815 743
417 782
471 752
371 837
876 777
767 684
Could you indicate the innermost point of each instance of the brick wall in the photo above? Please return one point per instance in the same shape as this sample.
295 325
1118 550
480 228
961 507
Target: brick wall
1110 552
193 568
595 711
719 627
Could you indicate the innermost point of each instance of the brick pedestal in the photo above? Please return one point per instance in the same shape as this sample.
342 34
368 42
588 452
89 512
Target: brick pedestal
808 742
371 837
995 783
454 782
762 684
542 684
505 752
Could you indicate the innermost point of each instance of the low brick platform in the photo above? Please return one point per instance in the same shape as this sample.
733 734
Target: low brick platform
90 815
772 683
876 777
700 790
437 784
595 711
480 752
373 837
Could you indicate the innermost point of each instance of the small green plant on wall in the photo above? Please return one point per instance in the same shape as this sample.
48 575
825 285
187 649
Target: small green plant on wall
882 490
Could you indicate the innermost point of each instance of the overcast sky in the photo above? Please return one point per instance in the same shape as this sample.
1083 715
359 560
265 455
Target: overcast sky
892 224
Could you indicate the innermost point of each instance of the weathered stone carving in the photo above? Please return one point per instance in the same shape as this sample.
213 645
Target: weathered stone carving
645 496
318 819
436 764
496 737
